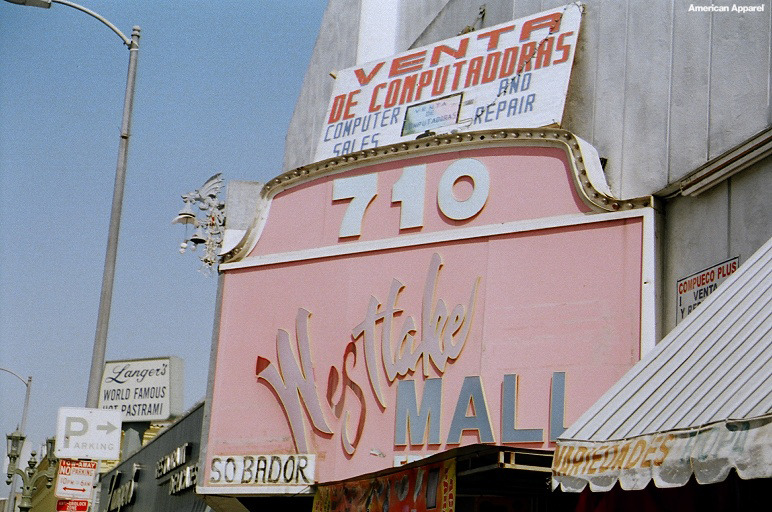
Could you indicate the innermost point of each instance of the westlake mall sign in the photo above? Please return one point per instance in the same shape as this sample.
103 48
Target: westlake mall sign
512 75
484 289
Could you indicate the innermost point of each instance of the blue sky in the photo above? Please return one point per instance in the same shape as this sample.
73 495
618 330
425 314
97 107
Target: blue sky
217 83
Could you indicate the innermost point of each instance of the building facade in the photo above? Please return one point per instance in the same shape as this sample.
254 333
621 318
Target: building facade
161 475
546 259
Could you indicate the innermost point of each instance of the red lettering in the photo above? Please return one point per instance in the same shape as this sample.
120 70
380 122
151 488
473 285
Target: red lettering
365 79
407 63
423 81
491 67
508 61
473 74
565 48
544 53
458 66
440 78
461 52
550 21
525 57
493 42
374 107
350 103
392 93
337 108
408 88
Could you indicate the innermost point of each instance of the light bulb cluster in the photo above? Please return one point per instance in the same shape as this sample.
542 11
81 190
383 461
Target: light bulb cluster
208 221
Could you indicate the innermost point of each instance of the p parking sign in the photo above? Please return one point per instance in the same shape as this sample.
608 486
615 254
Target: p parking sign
83 433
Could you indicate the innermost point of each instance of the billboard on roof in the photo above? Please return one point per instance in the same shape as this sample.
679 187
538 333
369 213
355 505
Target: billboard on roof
512 75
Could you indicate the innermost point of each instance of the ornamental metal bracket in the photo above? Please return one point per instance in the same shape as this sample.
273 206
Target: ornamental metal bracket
209 221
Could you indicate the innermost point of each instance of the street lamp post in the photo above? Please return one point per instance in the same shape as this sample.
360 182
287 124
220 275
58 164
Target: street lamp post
108 277
12 480
29 475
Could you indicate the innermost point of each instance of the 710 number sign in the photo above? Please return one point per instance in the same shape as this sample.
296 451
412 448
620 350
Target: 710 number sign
409 192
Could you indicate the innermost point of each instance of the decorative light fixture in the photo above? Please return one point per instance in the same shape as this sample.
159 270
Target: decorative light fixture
209 223
29 475
15 442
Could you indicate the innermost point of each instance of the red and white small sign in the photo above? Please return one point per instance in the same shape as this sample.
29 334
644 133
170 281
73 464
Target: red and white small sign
694 289
75 479
72 506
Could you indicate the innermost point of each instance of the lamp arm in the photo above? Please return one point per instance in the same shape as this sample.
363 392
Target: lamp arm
112 27
12 471
47 474
15 375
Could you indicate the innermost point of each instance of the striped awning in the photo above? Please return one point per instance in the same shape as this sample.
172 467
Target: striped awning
700 403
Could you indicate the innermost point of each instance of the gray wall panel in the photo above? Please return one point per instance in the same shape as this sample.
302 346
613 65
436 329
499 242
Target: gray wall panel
497 12
413 18
644 157
457 15
604 33
732 219
526 8
690 79
336 48
739 81
750 222
695 237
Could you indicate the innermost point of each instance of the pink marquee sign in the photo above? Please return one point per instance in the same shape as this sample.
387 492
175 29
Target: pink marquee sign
381 312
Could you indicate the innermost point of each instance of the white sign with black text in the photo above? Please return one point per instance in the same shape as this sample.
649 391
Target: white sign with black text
692 290
143 389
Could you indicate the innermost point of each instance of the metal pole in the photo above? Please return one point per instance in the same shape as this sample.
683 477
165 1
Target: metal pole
26 404
11 503
108 277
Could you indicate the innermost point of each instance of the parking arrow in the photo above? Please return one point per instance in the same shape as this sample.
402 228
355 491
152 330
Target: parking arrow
109 427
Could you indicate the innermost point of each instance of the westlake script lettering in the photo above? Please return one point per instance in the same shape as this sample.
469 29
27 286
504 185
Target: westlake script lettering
396 350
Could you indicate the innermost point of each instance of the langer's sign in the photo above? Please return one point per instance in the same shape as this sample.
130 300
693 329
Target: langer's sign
383 312
143 389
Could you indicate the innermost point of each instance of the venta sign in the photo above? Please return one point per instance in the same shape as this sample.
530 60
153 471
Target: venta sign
387 311
143 389
510 75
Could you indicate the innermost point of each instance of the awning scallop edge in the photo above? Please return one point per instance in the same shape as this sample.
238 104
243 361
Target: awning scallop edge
669 458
